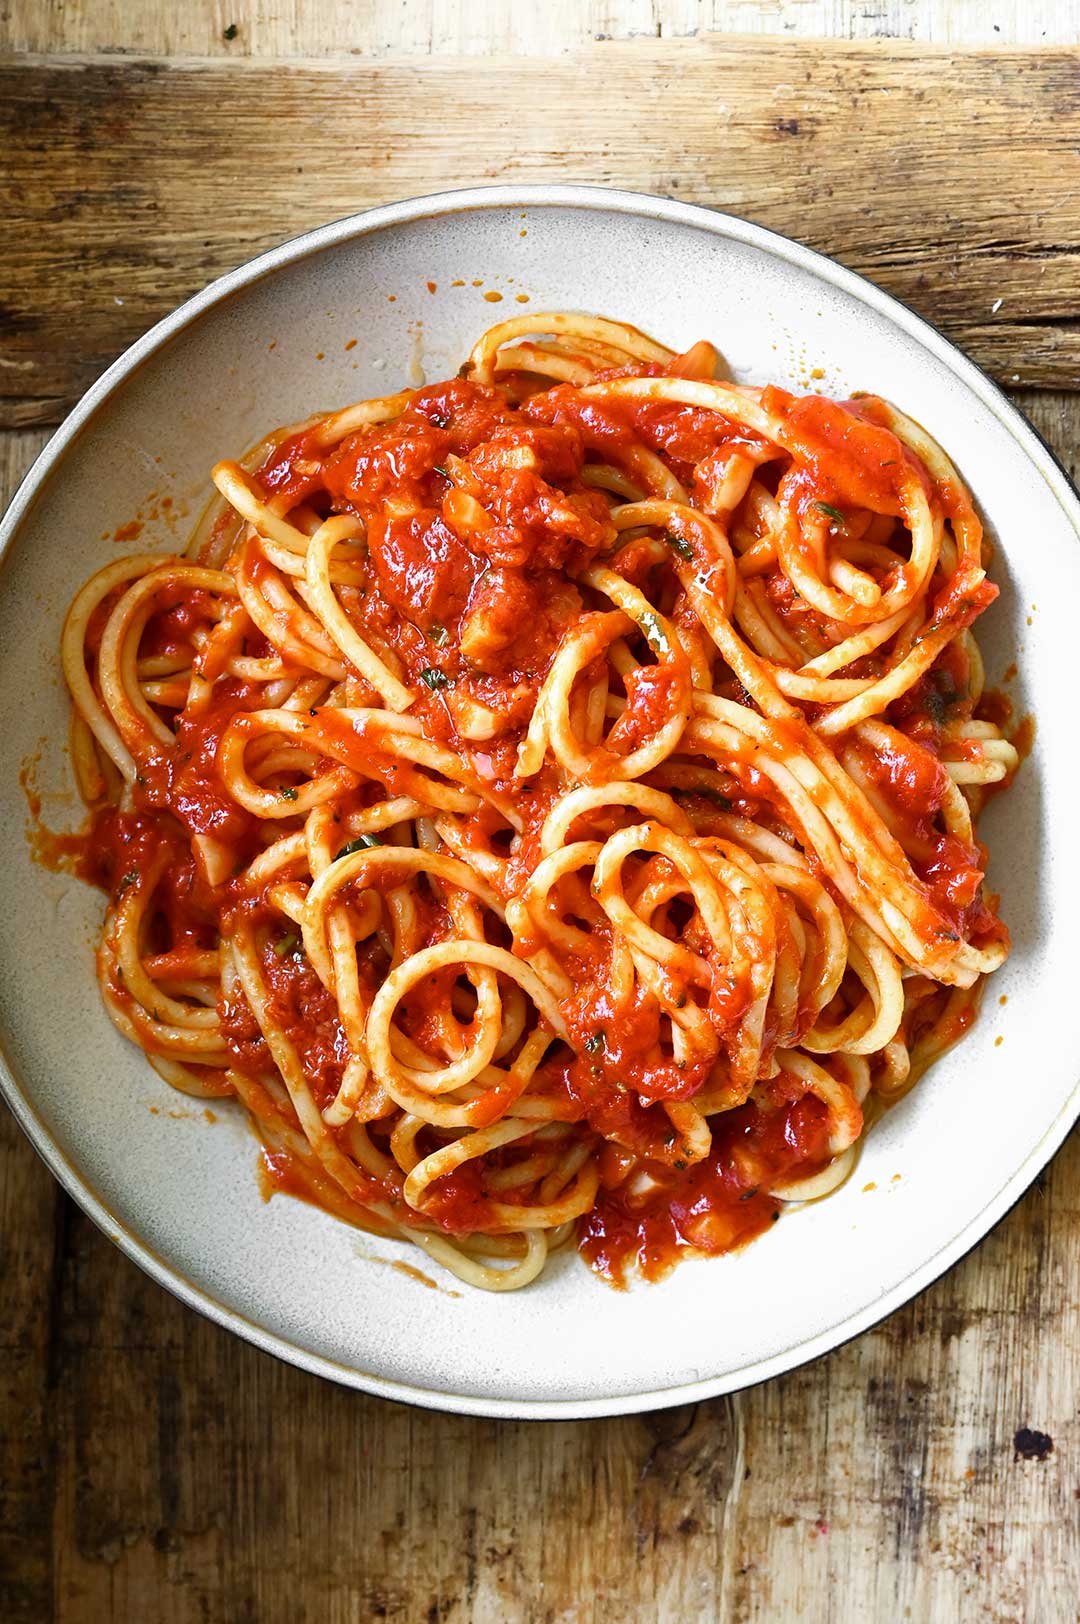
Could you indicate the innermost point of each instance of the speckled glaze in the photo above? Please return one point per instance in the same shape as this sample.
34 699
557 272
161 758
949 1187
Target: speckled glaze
269 344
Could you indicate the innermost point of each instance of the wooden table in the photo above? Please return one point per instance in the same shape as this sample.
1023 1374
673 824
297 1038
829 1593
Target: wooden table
156 1469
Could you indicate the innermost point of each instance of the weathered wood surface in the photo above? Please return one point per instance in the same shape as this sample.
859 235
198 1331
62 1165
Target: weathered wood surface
952 178
151 1466
495 27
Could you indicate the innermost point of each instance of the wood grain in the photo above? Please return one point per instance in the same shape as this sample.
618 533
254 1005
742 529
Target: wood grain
154 1468
342 28
952 178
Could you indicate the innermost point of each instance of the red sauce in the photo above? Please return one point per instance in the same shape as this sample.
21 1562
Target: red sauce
844 458
712 1206
302 1007
185 779
909 775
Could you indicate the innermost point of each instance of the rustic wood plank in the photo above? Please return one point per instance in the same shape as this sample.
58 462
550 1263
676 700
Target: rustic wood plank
495 27
951 178
33 1220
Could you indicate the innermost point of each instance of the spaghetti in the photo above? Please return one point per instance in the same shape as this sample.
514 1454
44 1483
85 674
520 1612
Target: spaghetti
545 799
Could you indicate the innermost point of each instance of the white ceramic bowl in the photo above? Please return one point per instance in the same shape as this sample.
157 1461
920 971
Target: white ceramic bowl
269 344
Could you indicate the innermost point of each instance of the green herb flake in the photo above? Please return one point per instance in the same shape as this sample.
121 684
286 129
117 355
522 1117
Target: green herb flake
438 634
287 945
595 1044
439 468
832 513
705 794
125 880
678 545
361 843
230 32
936 707
433 678
439 420
680 1166
288 793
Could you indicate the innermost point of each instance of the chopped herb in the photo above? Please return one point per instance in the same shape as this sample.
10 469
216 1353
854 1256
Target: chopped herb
774 1217
680 1002
230 33
312 713
361 843
678 545
832 513
288 944
434 678
748 1195
125 880
595 1044
289 793
669 1138
654 633
438 634
140 780
936 707
445 472
714 795
439 420
680 1165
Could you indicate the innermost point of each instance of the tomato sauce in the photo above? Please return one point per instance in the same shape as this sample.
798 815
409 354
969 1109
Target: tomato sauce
185 780
843 457
708 1207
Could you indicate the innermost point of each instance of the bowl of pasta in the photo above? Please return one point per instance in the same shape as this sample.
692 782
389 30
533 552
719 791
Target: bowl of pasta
532 716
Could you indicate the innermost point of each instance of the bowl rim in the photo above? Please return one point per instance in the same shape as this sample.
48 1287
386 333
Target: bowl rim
594 199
